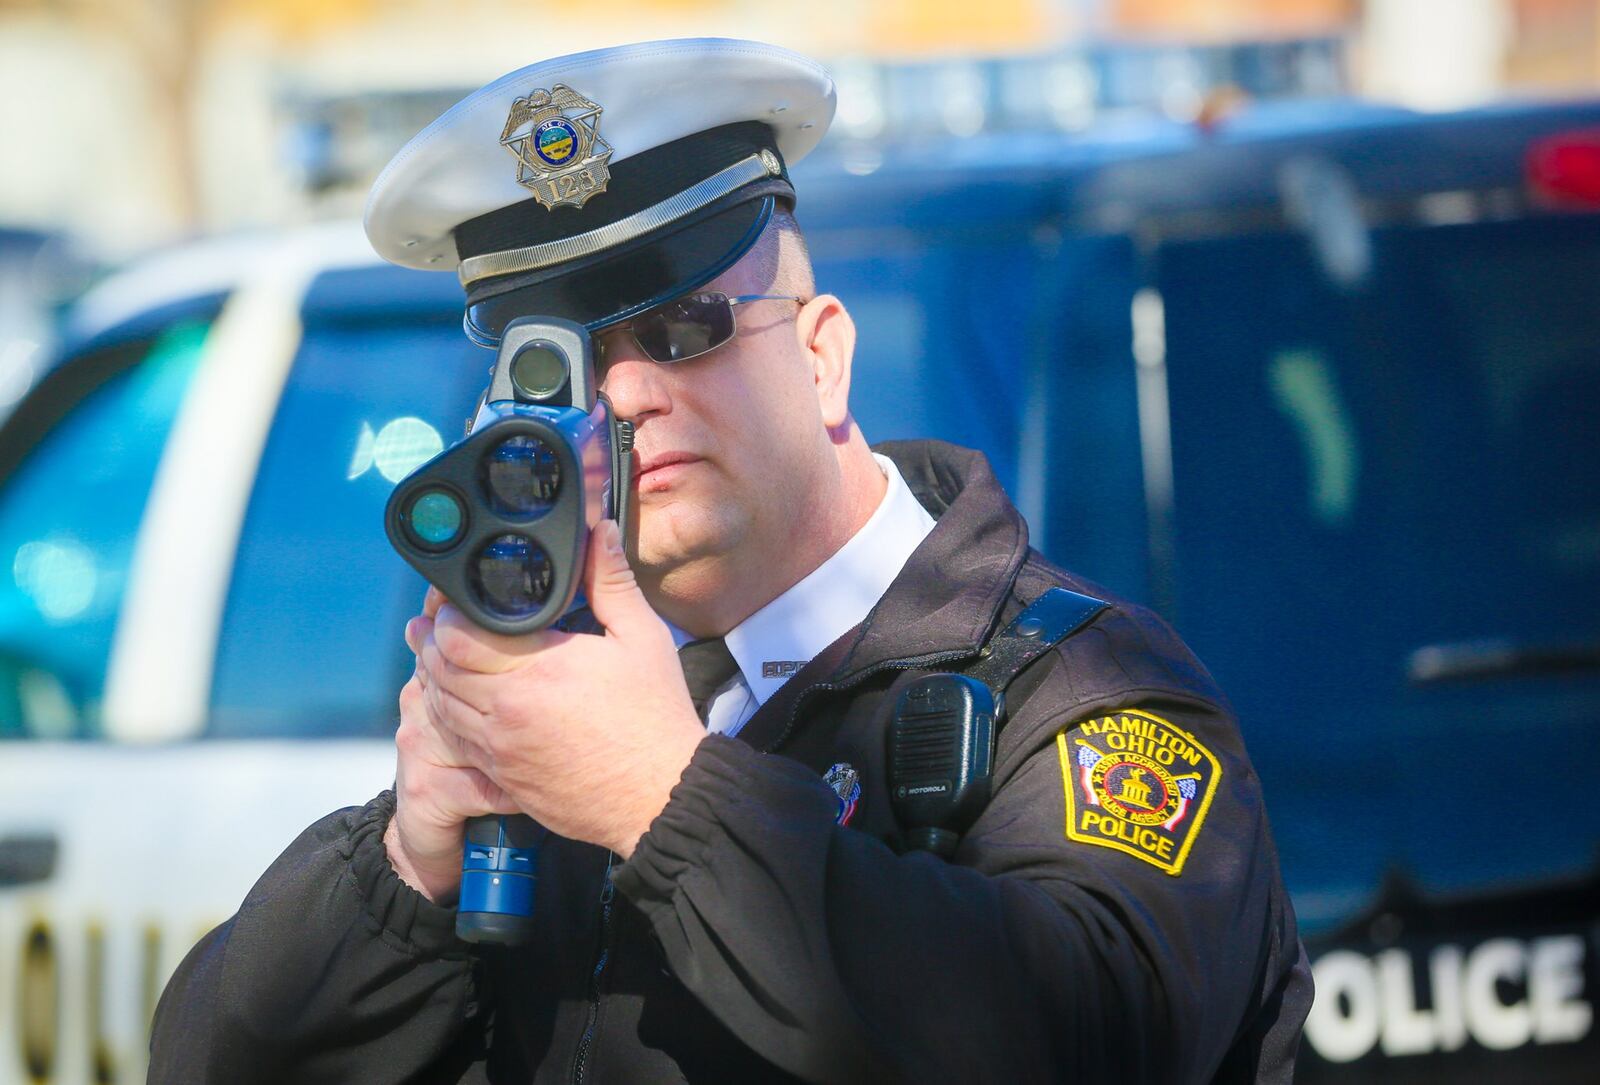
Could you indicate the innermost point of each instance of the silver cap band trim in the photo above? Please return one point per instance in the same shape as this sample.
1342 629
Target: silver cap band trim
532 257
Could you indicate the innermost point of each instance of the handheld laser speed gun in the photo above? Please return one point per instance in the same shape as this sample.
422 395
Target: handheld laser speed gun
500 522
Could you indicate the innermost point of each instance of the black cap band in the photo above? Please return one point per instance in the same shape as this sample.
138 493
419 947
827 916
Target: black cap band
638 182
616 284
611 281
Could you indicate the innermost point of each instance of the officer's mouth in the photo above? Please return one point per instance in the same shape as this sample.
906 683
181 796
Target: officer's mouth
658 472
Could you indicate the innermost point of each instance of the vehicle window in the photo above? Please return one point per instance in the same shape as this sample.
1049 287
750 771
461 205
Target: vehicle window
1362 475
69 515
311 641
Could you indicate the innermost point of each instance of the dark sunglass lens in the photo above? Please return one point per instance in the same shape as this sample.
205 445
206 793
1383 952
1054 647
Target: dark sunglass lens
685 328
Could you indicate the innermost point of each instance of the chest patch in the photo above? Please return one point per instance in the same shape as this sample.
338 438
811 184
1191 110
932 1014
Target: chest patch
1137 783
846 783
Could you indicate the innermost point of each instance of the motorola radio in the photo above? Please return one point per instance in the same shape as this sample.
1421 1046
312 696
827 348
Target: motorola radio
941 755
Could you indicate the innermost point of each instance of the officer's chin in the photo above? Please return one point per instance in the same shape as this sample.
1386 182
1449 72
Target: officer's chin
677 530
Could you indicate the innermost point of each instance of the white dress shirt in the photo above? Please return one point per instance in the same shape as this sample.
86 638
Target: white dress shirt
783 636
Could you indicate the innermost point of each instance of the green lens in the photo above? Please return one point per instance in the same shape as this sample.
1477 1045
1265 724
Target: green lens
539 371
435 517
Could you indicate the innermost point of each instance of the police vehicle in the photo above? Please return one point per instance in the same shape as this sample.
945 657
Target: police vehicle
1315 383
38 272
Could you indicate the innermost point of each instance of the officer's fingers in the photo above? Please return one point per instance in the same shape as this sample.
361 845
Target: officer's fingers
462 730
459 701
411 699
416 629
422 748
486 796
473 648
421 738
451 795
432 601
611 588
436 669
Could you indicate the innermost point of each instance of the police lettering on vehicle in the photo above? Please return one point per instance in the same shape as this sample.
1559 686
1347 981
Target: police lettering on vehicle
1500 994
1137 783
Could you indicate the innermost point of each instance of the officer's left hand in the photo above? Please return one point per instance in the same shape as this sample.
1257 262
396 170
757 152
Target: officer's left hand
587 734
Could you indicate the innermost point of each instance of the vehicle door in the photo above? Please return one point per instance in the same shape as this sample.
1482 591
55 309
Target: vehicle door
200 635
1385 514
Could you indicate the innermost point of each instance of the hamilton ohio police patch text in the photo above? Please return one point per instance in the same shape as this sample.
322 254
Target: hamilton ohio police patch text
1137 783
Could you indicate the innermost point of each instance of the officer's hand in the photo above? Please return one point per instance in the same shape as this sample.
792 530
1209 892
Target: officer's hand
588 734
436 790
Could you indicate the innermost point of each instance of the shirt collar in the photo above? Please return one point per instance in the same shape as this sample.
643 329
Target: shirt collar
781 637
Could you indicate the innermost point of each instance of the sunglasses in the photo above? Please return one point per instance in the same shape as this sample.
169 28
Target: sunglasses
686 327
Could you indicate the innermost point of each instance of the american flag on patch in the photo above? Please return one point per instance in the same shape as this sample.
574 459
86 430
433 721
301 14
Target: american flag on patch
1188 787
846 783
1088 757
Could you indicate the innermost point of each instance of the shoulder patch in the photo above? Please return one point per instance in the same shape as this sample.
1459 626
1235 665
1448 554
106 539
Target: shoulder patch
1137 783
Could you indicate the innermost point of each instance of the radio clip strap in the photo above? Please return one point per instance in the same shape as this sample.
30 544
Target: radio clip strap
941 736
1044 623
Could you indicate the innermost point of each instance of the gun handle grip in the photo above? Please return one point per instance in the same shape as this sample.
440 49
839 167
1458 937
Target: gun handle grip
499 872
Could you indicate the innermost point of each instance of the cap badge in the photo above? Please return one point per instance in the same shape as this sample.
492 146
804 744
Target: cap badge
555 137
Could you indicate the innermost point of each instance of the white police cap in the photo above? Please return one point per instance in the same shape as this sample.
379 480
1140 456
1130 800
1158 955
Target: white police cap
590 185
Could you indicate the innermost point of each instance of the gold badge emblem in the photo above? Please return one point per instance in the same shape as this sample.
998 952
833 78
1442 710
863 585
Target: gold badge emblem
1138 784
555 137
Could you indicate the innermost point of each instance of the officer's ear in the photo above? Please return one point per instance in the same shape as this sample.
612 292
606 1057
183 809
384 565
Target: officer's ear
828 337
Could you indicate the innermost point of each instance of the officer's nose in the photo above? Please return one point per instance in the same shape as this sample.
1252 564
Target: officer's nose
635 385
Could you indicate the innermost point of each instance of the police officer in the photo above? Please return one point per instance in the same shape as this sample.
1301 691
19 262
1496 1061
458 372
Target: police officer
719 900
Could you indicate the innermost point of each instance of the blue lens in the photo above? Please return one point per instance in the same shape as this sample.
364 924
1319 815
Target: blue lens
522 476
512 576
436 517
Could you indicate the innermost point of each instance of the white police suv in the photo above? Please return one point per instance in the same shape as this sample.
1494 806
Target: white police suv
191 511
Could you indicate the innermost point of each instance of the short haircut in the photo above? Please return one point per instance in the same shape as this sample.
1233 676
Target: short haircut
782 261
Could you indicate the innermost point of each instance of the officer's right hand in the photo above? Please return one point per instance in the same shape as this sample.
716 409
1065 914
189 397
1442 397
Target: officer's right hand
436 791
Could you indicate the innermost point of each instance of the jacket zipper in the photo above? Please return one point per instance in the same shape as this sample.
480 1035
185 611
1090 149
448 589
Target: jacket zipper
877 668
580 1062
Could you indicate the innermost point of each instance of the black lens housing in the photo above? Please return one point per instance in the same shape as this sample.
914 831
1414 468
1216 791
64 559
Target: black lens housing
574 448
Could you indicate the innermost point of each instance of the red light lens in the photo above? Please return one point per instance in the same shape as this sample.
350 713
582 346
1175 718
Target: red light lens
1565 168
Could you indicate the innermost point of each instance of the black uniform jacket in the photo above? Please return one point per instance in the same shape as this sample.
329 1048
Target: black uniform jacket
751 938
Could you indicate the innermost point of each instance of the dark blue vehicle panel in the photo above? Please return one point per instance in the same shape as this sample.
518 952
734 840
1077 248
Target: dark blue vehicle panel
1362 476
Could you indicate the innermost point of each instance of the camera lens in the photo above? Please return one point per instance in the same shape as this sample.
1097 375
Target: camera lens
512 576
539 371
522 476
435 518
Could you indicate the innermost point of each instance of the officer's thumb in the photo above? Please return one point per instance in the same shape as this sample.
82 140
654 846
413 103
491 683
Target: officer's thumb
609 583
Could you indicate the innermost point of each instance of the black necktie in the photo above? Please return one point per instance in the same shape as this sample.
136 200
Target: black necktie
707 666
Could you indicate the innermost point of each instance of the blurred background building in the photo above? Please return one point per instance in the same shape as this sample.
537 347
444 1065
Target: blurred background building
132 122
